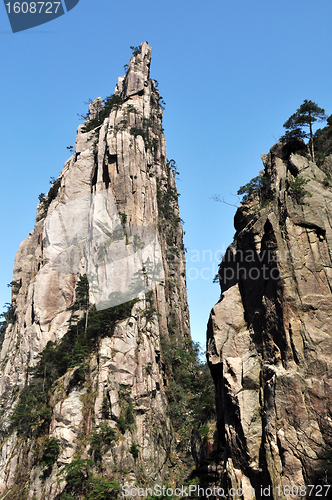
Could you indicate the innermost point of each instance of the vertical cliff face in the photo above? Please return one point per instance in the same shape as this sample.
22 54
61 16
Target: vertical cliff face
269 336
98 393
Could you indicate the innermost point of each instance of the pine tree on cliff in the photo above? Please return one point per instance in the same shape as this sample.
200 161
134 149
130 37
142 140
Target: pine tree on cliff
308 113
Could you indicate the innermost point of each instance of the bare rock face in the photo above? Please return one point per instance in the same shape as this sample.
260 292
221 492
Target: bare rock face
121 151
269 336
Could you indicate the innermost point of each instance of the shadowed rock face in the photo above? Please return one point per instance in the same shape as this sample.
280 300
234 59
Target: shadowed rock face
269 343
125 156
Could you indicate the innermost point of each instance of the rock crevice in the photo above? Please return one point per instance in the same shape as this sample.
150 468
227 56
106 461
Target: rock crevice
269 337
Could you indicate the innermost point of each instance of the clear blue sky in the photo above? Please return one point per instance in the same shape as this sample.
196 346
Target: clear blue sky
231 73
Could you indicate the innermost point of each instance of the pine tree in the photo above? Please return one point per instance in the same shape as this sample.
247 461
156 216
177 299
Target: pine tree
82 297
308 113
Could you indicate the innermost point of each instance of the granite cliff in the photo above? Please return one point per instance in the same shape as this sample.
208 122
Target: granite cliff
269 342
85 389
100 383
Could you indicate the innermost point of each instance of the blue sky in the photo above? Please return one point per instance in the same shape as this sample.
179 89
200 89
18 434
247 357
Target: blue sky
231 74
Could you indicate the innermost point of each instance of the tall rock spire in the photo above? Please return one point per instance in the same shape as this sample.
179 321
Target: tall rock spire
138 72
82 362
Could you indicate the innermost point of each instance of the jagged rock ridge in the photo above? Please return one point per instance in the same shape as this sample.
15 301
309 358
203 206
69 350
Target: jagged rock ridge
120 149
269 340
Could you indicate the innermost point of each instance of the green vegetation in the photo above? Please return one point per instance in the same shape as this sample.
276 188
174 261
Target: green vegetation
105 408
79 343
82 298
126 420
123 218
51 195
50 453
149 313
102 489
77 474
134 450
297 189
123 425
81 481
9 317
148 368
255 186
167 199
111 102
15 286
204 431
131 109
327 182
190 391
172 165
81 294
144 133
32 412
100 440
3 326
136 50
304 117
161 103
10 314
323 143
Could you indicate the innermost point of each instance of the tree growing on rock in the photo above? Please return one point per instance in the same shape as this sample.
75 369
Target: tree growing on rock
308 113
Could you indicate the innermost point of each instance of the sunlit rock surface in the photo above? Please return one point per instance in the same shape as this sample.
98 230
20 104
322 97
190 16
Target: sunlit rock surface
118 173
269 337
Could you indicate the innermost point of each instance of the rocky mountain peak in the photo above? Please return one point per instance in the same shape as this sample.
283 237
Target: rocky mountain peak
269 337
138 71
99 302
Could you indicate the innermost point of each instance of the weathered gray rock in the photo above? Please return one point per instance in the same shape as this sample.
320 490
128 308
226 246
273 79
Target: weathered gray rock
137 77
126 155
269 340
